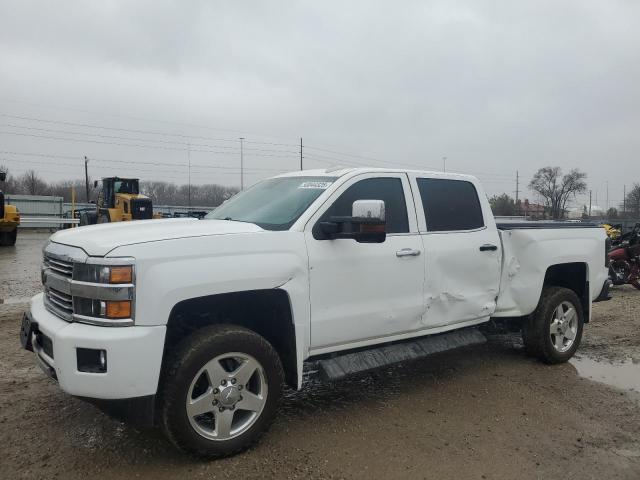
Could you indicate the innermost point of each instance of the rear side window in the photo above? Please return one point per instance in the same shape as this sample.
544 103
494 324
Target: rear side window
387 189
450 204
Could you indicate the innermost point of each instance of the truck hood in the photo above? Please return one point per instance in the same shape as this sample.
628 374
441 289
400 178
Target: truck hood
99 240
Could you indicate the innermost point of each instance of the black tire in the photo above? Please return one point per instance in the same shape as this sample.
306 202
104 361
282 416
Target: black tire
184 363
536 329
11 237
8 239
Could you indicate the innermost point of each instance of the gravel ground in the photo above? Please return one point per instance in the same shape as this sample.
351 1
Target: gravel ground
481 412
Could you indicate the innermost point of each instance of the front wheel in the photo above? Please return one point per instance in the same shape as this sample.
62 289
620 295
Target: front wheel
554 331
220 391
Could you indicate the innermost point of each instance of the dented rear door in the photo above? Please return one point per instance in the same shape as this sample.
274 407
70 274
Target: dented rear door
462 249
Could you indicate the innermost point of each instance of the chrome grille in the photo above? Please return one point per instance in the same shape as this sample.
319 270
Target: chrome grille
62 267
60 299
65 295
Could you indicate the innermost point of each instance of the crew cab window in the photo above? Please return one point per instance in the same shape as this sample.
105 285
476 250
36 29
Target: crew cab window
450 204
387 189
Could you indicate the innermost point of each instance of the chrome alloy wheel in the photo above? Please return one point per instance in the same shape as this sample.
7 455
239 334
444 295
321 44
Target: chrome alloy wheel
564 326
226 396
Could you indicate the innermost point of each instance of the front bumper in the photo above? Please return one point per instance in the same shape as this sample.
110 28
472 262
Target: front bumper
134 355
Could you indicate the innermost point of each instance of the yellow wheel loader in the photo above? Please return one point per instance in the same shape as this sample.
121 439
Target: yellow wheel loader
9 220
119 201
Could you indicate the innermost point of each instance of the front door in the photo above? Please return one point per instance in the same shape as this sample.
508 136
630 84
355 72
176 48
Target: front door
362 292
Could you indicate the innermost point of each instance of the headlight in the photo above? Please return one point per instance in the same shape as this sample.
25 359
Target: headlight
103 294
109 309
86 272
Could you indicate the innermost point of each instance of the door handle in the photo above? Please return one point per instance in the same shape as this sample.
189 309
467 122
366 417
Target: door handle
407 252
488 247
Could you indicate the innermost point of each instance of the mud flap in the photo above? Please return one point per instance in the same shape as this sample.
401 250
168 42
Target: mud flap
350 363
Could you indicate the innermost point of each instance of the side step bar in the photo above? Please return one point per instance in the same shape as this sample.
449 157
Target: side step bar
339 367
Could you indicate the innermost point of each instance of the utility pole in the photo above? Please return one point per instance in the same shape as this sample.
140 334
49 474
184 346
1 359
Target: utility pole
444 164
589 203
241 164
86 177
607 182
517 187
624 200
301 154
189 163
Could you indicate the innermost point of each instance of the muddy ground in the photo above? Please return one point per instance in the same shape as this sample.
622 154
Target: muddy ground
481 412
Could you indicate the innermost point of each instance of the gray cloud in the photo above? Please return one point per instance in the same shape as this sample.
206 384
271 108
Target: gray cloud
494 86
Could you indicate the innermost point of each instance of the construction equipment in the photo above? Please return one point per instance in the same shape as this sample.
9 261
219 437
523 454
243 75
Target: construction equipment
9 220
613 231
119 200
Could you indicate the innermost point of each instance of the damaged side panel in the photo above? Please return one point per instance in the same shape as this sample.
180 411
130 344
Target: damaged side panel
461 281
528 254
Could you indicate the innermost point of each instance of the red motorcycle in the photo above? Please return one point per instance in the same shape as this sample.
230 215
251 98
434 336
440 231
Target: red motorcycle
624 259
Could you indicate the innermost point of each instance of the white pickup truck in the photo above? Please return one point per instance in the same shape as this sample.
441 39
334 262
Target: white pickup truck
196 325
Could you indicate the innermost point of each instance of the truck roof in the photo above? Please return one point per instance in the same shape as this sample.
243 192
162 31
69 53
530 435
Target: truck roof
339 171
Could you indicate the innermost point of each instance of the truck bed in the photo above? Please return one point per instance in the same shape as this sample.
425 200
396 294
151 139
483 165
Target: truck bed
530 248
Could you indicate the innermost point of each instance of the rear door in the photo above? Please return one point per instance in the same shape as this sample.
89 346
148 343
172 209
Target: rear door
462 250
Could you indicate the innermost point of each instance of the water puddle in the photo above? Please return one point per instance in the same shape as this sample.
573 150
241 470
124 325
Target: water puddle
624 375
14 300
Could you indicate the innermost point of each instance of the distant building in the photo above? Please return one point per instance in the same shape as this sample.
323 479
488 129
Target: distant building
581 210
530 210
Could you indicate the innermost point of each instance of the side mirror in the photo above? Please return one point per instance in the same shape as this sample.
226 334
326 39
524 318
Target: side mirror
367 223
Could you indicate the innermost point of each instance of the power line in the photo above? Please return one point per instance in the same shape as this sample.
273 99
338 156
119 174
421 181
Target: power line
130 117
141 162
87 140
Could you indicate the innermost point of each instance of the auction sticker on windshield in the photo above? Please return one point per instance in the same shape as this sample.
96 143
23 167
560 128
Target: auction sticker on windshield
315 185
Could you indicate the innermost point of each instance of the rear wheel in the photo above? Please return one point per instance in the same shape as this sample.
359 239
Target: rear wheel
220 391
554 331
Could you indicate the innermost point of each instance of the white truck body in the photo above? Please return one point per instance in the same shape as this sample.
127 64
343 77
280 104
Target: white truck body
342 294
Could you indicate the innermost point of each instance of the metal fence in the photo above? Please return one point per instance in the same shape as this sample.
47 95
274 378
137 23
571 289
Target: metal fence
42 207
37 206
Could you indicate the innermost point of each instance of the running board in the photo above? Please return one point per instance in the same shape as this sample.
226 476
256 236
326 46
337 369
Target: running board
339 367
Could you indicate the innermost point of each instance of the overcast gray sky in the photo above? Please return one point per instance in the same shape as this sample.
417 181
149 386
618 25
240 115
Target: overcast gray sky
493 86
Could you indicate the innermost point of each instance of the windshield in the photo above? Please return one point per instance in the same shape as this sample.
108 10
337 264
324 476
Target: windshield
126 186
273 204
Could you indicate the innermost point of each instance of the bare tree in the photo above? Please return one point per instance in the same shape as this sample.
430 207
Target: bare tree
8 185
164 193
556 188
632 201
32 184
64 188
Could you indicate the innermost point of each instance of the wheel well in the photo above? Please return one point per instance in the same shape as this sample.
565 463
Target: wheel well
266 312
574 277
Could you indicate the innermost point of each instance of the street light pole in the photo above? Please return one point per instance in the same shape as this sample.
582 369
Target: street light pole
86 177
444 164
241 164
189 162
